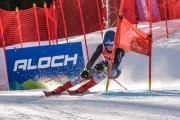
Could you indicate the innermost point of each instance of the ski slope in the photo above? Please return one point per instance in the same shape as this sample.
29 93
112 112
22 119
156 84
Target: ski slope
161 103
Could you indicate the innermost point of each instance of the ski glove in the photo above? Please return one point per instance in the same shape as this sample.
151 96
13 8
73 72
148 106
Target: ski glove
85 72
100 67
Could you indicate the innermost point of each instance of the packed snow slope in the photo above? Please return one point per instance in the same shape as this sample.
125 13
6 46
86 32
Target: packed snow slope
161 103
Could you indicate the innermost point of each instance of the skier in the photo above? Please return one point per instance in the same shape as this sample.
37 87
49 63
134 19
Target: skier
97 73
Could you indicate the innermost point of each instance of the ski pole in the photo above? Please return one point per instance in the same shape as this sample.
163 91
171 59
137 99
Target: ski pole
119 84
110 68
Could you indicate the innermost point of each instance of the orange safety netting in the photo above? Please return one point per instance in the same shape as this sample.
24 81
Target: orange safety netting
69 19
165 16
64 21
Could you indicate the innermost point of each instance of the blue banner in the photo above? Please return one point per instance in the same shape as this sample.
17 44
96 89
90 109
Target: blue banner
35 63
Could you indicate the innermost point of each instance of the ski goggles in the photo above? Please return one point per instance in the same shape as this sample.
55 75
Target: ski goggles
109 43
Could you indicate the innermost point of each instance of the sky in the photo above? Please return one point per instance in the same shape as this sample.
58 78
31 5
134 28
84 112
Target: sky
138 103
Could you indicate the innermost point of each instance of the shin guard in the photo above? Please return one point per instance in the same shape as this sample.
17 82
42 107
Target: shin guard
63 88
86 86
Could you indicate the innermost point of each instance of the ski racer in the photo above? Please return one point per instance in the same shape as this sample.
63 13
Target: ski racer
93 75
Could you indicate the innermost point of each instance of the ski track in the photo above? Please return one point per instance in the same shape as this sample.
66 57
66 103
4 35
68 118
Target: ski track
143 105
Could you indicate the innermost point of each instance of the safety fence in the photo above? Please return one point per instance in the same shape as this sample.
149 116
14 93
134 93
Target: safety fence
165 16
71 18
67 20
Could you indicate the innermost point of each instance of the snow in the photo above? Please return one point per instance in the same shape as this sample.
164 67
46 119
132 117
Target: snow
160 104
138 103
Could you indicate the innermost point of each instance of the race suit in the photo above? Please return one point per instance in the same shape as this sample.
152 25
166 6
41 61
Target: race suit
93 74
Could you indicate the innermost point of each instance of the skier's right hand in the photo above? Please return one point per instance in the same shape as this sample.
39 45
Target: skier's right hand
100 67
85 72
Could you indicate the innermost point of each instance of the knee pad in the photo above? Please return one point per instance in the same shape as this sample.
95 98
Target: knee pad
117 74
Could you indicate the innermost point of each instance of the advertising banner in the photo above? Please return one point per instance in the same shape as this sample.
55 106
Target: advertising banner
34 63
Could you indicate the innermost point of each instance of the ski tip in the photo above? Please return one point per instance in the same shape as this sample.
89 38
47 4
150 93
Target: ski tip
68 91
72 92
45 93
49 93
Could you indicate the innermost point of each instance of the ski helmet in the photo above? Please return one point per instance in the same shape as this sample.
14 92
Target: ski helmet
109 38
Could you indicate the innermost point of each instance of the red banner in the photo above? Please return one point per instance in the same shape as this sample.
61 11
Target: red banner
130 38
129 11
